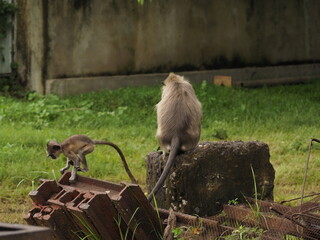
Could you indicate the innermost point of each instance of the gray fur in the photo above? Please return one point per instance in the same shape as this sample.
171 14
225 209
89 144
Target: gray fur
179 115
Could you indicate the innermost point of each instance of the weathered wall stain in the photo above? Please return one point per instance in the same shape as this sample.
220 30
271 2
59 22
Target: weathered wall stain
112 37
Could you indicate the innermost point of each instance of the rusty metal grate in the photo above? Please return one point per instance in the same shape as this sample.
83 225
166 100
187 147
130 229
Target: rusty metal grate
93 207
261 219
105 209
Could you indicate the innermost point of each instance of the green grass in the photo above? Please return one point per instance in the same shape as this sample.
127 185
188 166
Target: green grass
285 117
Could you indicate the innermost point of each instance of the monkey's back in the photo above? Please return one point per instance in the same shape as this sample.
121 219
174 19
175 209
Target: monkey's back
76 142
179 115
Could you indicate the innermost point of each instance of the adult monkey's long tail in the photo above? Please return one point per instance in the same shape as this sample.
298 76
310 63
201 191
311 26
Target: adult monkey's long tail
124 162
175 147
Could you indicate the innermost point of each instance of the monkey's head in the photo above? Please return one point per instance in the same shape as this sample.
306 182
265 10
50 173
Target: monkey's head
53 149
173 78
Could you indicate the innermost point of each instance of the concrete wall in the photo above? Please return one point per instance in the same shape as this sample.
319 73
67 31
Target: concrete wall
85 38
30 44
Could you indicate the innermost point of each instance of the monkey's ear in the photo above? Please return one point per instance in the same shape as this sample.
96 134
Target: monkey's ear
171 78
56 147
173 75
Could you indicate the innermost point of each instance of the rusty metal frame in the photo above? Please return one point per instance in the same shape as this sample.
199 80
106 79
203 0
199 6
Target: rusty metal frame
92 206
108 208
24 232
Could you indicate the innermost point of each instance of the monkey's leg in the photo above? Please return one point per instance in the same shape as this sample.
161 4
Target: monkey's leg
69 162
76 165
165 154
164 149
82 155
73 177
84 162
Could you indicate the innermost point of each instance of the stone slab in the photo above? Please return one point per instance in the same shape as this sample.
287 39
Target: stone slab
246 77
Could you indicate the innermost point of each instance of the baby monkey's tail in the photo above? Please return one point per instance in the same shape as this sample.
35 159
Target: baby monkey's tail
124 162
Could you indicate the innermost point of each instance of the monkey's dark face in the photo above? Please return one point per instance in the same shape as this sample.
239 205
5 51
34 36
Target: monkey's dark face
53 149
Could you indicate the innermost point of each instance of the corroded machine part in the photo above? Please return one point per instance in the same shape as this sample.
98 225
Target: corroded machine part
92 206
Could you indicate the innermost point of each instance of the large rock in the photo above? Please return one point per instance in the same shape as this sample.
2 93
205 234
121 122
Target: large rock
211 174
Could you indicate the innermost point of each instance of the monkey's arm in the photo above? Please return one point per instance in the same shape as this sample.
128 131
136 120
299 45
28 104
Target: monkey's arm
124 162
69 162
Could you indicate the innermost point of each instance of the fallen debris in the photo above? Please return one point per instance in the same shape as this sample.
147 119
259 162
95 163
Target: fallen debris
106 210
93 207
23 232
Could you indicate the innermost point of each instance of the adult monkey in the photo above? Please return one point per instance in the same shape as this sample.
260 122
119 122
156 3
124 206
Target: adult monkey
179 117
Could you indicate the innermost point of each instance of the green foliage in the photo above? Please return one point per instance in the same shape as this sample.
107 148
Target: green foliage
89 233
177 232
124 236
233 201
6 10
188 232
285 117
155 203
91 110
220 134
142 1
9 84
245 233
255 209
290 237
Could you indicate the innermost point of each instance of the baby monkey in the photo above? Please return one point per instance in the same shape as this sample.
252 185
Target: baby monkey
75 148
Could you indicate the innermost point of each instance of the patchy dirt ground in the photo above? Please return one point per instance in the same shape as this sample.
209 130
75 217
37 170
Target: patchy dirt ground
12 211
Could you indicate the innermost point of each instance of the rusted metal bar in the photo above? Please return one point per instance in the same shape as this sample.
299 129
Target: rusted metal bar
266 206
107 209
24 232
61 224
29 216
186 218
44 192
93 206
264 221
102 211
298 198
138 214
86 184
211 227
